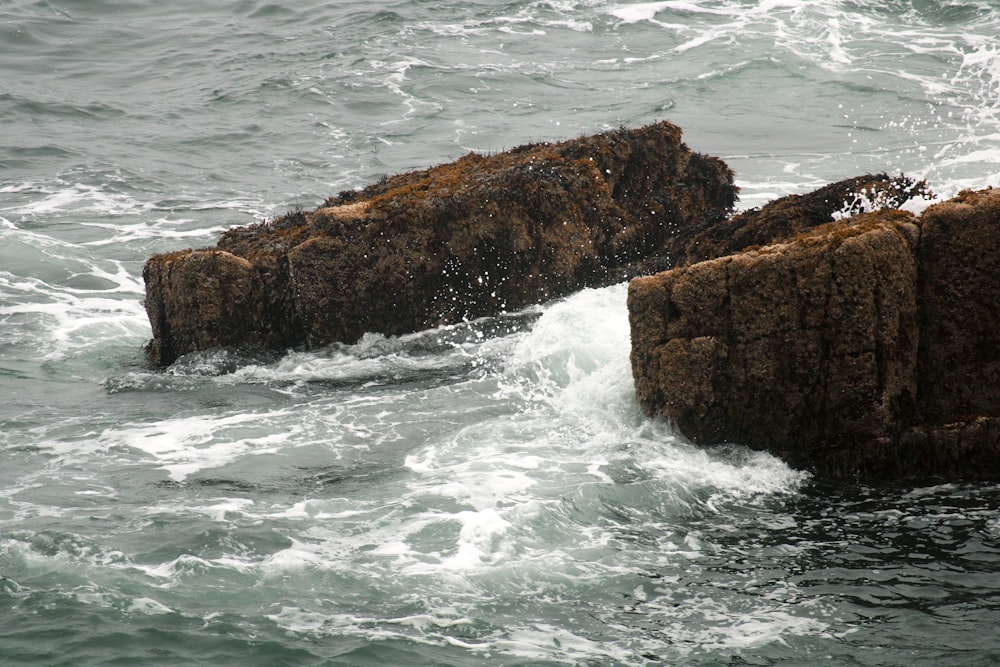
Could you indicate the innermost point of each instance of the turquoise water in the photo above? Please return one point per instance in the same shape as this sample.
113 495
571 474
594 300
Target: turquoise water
486 494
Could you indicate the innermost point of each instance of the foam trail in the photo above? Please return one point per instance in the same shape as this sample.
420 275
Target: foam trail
76 319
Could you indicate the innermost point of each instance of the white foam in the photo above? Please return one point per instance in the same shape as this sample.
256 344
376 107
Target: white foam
544 642
319 510
480 540
574 338
224 509
396 82
482 485
430 629
642 11
173 569
79 198
710 625
12 234
77 319
149 607
835 40
160 229
184 445
733 474
380 358
340 365
647 11
535 19
45 552
696 42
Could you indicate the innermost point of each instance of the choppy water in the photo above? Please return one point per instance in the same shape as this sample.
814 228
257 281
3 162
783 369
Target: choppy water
486 494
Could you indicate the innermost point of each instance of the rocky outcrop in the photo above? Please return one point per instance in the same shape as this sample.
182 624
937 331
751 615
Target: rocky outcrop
468 239
784 218
864 347
794 346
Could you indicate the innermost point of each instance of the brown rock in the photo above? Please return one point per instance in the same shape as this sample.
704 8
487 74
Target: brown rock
960 306
463 240
233 309
868 347
784 218
962 450
796 347
781 220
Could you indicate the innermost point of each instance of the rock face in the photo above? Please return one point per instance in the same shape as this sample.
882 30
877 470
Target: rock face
803 343
960 306
864 347
463 240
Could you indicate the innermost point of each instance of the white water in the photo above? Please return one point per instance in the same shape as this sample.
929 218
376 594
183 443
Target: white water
482 494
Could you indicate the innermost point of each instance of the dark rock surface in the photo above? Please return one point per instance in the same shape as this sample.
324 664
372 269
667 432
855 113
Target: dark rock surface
780 220
960 306
784 218
468 239
795 346
865 347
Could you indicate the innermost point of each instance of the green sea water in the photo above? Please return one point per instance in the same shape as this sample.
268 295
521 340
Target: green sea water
484 494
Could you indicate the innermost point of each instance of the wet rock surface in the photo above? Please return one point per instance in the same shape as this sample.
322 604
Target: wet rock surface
793 346
867 347
477 237
959 288
780 220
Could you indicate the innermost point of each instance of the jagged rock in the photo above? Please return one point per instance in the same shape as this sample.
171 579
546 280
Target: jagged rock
468 239
864 347
780 220
784 218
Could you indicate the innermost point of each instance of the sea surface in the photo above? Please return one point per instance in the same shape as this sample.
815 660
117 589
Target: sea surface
484 494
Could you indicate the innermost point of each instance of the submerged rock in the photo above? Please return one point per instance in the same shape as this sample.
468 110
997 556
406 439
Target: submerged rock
476 237
864 347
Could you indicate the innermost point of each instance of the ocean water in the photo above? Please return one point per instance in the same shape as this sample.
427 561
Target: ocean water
484 494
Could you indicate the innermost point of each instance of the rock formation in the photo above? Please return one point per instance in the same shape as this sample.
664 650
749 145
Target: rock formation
865 347
473 238
779 220
959 290
841 333
795 345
